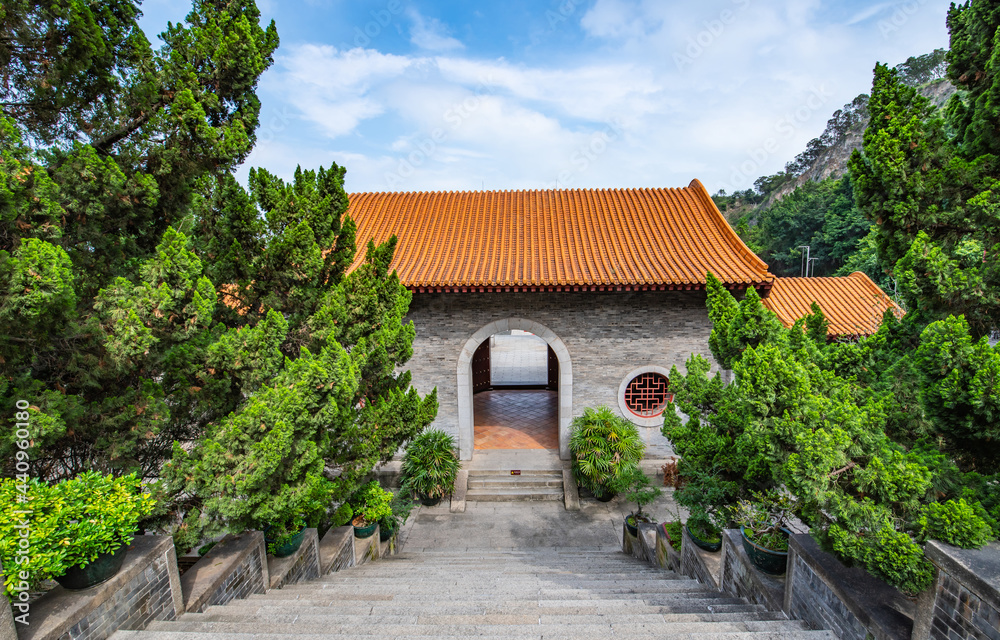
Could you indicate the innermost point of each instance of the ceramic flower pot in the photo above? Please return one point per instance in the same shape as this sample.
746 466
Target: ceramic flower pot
291 546
767 560
428 501
103 568
363 530
707 546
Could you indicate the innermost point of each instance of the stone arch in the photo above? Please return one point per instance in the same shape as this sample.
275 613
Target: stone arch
466 427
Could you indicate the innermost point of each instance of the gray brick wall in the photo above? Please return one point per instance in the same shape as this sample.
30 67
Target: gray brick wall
812 600
247 578
145 598
344 559
694 562
138 594
742 579
306 564
960 613
608 334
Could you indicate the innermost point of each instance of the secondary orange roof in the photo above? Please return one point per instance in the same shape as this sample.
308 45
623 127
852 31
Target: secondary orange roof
556 239
853 305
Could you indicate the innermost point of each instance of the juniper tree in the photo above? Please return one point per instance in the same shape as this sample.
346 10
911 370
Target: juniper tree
791 421
928 180
155 310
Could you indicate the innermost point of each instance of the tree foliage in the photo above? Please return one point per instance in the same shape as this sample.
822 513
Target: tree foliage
156 311
810 417
928 180
821 215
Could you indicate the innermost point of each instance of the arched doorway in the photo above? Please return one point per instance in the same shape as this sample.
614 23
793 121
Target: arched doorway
467 379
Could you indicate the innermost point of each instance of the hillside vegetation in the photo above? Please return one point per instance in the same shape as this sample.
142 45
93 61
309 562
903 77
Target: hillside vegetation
811 202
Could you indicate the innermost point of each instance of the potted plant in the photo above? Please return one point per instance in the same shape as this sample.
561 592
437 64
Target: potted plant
605 448
703 531
764 528
389 526
641 493
79 529
284 539
370 504
430 466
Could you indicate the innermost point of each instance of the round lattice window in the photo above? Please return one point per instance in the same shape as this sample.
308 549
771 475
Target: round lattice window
643 395
646 395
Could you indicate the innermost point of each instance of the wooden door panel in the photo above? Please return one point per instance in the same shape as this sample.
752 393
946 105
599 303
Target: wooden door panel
481 376
553 384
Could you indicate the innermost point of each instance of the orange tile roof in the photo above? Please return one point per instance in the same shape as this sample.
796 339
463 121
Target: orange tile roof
853 305
556 239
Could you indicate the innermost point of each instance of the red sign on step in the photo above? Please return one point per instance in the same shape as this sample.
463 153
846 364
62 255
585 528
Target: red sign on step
515 472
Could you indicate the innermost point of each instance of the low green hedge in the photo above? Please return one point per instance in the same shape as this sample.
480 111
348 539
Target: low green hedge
64 525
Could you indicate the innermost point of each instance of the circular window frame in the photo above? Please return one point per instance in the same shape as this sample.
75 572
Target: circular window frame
654 421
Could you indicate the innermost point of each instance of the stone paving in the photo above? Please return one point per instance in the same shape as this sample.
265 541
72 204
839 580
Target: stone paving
519 359
524 525
516 419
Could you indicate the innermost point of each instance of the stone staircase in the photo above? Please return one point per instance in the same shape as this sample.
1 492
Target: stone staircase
487 485
538 593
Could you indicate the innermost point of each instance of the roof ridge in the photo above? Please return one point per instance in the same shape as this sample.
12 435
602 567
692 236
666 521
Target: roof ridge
475 191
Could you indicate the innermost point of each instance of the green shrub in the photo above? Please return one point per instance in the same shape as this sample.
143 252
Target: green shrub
401 507
700 524
371 503
763 519
641 493
430 465
606 448
956 523
886 553
674 529
70 523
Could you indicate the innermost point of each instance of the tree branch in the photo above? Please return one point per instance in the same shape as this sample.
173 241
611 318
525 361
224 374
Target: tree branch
838 472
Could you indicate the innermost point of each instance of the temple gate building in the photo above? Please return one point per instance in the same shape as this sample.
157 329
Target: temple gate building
605 286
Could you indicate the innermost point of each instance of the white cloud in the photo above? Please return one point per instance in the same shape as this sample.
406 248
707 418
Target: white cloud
624 112
615 19
431 34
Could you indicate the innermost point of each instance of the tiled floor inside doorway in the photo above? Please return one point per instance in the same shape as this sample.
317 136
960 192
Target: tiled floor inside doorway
516 419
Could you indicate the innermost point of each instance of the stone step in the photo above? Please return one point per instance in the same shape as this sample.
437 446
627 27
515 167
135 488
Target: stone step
392 566
515 482
516 494
330 617
475 601
547 591
510 570
496 473
266 611
314 608
521 576
534 634
470 630
505 595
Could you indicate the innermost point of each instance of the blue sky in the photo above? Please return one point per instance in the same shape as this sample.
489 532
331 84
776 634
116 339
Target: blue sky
427 96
